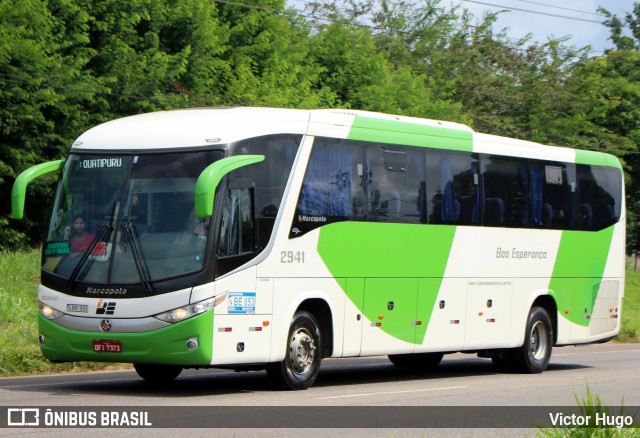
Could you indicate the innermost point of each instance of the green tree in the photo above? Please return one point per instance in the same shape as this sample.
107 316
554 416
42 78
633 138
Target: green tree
42 85
617 27
267 58
133 57
609 89
362 66
618 75
66 65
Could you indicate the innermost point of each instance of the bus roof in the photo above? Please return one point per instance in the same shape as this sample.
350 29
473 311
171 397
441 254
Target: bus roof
493 144
191 128
206 127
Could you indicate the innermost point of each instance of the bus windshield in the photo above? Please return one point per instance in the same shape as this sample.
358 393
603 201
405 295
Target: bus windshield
127 219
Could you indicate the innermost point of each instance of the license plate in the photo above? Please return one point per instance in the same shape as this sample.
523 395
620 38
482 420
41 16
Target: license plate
107 346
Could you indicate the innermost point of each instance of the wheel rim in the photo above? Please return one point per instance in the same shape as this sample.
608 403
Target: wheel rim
302 351
538 341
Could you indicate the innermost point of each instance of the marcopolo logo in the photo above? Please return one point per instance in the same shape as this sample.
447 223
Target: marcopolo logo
106 291
305 218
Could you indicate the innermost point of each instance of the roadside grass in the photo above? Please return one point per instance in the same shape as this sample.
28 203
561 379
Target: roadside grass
20 352
630 330
19 349
590 406
18 282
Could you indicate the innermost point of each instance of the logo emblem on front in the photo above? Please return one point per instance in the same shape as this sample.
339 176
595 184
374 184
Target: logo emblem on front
106 307
105 325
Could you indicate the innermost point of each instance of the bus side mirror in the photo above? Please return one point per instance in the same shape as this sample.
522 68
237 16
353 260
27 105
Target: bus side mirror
210 178
19 191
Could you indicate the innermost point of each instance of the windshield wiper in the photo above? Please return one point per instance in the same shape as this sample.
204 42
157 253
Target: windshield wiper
102 236
136 250
138 257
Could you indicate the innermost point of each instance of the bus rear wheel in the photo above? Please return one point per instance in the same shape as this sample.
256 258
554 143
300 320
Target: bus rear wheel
301 363
533 356
416 360
157 373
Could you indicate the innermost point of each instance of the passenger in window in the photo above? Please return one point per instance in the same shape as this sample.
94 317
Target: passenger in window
81 240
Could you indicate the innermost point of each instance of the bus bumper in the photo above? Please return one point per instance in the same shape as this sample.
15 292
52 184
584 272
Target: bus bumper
167 345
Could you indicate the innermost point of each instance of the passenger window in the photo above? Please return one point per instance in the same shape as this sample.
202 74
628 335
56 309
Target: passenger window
506 191
333 186
270 176
552 195
236 236
236 229
394 175
358 181
452 194
330 183
599 202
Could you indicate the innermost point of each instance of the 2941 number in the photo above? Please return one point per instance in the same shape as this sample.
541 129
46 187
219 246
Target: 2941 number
291 256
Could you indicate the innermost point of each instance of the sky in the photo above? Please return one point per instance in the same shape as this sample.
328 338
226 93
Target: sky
581 33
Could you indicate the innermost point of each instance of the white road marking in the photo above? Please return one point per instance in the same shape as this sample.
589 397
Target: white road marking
595 352
369 394
69 383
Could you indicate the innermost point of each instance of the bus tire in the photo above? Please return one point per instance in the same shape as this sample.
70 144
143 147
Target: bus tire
301 363
533 357
157 373
416 360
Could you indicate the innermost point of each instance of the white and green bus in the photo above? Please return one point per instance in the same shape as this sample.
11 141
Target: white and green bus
257 238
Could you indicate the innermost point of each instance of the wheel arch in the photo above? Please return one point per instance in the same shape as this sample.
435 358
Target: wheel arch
548 303
321 311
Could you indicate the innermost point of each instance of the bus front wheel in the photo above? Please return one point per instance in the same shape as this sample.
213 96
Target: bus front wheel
534 355
301 363
157 373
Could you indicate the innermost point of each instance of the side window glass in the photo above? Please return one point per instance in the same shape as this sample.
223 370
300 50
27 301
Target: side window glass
236 233
395 176
551 195
332 190
236 237
599 197
270 176
506 192
452 194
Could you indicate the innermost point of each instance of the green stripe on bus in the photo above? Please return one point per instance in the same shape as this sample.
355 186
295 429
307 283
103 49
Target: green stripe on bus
410 134
578 271
597 159
402 266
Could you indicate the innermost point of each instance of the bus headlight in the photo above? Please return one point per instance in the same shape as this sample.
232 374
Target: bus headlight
48 311
182 313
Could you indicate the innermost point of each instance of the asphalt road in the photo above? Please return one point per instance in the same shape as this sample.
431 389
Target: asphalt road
356 393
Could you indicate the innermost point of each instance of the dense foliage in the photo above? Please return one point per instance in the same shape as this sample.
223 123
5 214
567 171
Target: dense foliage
66 65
